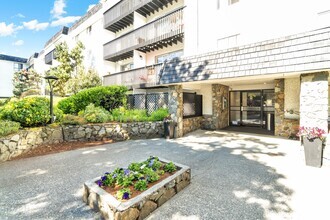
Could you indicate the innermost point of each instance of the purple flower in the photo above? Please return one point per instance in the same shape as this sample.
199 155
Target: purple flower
126 195
104 178
114 176
126 172
107 173
151 163
99 182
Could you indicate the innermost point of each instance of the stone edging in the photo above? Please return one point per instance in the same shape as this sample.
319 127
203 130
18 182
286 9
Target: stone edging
140 206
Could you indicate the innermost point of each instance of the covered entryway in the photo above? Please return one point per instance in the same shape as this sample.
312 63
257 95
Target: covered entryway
252 108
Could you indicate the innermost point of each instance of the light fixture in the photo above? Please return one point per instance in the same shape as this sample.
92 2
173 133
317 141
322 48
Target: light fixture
50 80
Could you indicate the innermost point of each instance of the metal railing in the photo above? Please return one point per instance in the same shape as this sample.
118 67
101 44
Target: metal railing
140 77
163 28
122 9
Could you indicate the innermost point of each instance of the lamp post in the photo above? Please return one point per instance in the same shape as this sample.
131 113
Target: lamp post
51 79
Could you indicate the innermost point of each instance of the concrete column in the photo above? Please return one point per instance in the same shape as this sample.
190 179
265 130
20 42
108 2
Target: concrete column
314 100
220 113
279 106
176 107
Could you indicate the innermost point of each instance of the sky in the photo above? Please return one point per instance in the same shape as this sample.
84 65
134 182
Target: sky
26 25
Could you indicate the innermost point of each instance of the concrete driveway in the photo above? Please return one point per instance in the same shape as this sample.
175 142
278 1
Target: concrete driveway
234 176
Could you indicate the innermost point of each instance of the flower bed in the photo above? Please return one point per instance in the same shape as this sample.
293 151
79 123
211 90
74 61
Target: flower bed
135 192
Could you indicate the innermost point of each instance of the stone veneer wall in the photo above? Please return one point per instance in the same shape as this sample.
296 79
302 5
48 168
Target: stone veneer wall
283 127
192 124
314 100
220 115
25 140
175 107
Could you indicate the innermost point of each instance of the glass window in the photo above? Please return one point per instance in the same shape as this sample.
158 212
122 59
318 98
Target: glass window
89 30
126 67
18 67
168 56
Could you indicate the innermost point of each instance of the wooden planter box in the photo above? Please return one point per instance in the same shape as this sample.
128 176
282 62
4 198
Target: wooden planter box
140 206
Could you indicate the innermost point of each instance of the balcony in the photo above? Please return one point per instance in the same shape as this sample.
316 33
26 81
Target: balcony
164 31
136 78
121 15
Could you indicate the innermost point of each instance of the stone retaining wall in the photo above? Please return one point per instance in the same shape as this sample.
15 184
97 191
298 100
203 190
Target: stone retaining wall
27 139
192 124
115 131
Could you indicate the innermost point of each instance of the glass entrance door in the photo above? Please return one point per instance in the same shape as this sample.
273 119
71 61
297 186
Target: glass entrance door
249 108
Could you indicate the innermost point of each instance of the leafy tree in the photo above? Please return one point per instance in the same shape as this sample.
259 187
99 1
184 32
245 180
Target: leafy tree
70 63
83 80
26 82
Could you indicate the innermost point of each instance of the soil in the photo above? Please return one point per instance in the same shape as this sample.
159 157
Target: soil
60 147
134 192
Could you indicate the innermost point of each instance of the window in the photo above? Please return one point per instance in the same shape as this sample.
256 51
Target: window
228 42
192 105
76 38
126 67
168 56
230 2
89 30
18 67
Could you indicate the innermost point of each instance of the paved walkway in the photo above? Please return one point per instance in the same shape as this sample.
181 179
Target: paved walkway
234 176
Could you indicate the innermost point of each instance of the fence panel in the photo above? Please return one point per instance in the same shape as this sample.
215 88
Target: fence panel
151 102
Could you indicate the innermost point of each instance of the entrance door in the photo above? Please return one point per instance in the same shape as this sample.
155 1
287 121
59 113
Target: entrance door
252 108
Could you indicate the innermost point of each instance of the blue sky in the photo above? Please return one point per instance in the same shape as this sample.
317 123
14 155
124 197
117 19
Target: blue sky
26 25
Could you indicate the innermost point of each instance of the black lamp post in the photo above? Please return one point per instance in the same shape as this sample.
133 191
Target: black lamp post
51 79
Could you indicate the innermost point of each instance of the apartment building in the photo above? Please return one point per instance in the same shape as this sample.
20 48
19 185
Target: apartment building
8 66
256 64
89 30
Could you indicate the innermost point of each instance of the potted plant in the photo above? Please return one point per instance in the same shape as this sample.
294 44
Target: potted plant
168 127
313 140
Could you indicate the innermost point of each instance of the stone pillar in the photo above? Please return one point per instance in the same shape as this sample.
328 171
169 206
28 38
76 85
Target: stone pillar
279 106
283 126
220 115
175 105
314 100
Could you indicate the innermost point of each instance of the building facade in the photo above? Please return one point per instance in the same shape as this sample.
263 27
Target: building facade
88 30
8 66
255 63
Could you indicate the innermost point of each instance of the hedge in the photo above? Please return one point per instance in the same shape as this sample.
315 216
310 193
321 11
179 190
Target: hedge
108 97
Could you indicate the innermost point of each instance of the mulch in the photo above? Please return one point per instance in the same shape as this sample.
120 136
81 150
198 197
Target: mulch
60 147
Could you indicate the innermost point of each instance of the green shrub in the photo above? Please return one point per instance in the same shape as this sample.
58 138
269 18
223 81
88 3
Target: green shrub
159 114
8 127
29 111
72 120
108 97
59 114
95 114
4 101
131 115
141 185
170 167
